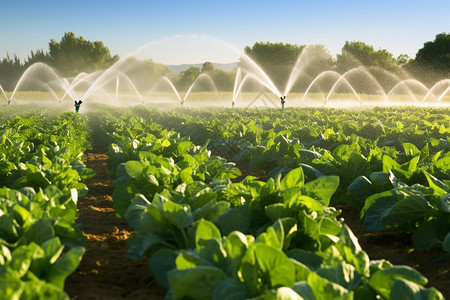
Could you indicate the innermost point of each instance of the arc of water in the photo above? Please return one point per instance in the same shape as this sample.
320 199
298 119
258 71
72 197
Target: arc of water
236 80
79 79
31 69
117 87
299 66
374 80
241 84
171 85
4 94
436 86
443 94
318 77
99 81
247 77
261 75
200 77
63 85
342 78
405 83
103 80
131 83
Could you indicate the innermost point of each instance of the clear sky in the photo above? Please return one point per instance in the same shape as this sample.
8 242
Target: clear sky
401 27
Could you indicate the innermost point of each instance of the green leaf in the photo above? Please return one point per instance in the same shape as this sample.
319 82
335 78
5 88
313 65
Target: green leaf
236 218
438 186
40 231
304 290
185 175
64 266
405 289
309 259
383 280
411 149
271 238
21 260
231 289
277 211
52 249
208 242
11 288
179 215
326 290
196 283
161 262
343 274
376 207
322 188
134 169
294 178
406 210
276 266
361 189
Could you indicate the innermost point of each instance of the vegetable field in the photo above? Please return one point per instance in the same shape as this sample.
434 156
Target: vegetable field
309 203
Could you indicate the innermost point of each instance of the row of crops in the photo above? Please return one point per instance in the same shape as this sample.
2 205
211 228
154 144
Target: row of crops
210 232
393 165
230 203
41 174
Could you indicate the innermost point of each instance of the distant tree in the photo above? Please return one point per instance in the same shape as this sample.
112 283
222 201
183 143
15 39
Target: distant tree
275 59
432 61
380 64
355 54
144 73
187 77
38 56
10 72
403 59
75 54
207 67
223 80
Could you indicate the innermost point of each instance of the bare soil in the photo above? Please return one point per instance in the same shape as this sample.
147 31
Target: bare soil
106 273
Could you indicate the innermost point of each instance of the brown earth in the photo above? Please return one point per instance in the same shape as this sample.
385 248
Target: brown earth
106 273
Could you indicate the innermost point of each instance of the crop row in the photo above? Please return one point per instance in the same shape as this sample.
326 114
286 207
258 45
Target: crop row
209 235
41 169
393 164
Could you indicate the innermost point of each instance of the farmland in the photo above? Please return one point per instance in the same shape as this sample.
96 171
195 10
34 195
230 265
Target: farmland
235 203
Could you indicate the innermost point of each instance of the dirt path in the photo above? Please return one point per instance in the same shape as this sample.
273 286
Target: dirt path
105 272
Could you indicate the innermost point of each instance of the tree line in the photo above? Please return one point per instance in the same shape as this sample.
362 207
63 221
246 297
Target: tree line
73 55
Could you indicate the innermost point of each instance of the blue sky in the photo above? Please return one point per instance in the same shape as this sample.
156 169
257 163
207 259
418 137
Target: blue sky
397 26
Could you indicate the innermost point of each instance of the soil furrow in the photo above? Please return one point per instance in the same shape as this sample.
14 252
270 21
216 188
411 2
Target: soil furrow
105 272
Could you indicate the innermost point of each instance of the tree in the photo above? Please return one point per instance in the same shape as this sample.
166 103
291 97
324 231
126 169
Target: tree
207 67
10 72
403 59
275 59
187 77
38 56
355 54
144 73
74 55
432 61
